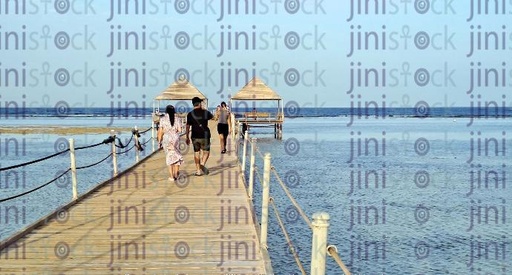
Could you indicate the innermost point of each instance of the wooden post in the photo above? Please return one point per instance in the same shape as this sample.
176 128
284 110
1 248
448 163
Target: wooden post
73 168
252 167
319 243
244 154
237 133
156 109
237 129
233 125
114 155
136 137
265 200
153 136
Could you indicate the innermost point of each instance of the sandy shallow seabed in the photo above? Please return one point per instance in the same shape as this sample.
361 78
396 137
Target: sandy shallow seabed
62 130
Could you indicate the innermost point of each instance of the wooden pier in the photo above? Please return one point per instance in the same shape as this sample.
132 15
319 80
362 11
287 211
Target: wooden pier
142 223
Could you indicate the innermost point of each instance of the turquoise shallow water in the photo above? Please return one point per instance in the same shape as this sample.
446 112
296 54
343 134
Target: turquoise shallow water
404 195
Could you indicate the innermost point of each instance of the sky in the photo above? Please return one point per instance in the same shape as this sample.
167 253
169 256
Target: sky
314 53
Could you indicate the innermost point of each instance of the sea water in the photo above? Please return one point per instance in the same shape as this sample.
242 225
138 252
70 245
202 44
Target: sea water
405 195
16 149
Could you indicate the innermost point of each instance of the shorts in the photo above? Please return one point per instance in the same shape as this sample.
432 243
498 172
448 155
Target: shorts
223 129
201 144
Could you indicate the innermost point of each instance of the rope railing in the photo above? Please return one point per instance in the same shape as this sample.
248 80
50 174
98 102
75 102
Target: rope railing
147 130
318 226
290 197
125 151
108 140
287 237
94 164
287 192
281 224
137 133
257 174
35 189
333 252
257 150
147 141
33 161
89 146
121 146
112 139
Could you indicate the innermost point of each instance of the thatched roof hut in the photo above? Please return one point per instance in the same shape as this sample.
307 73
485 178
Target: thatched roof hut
180 90
256 89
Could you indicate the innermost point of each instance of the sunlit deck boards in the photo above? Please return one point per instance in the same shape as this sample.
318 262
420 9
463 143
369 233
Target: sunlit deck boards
143 224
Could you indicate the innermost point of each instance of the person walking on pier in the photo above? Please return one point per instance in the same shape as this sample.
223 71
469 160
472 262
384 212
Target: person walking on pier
197 120
169 138
223 125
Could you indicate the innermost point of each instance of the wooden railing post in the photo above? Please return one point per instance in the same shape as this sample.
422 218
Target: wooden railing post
265 198
136 137
153 136
114 155
252 167
73 168
237 138
244 153
319 243
233 125
237 126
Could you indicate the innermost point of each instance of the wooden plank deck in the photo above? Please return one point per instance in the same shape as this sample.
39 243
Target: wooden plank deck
140 223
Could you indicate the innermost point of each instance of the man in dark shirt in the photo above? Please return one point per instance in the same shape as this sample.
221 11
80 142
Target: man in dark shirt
197 120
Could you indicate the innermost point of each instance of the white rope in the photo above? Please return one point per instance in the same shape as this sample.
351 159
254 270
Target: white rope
297 206
288 240
333 252
256 149
257 174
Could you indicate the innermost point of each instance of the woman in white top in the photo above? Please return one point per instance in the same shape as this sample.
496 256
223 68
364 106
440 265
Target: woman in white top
169 139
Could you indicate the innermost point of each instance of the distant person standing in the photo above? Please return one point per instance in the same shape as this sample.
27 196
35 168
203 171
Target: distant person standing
169 139
223 125
197 120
